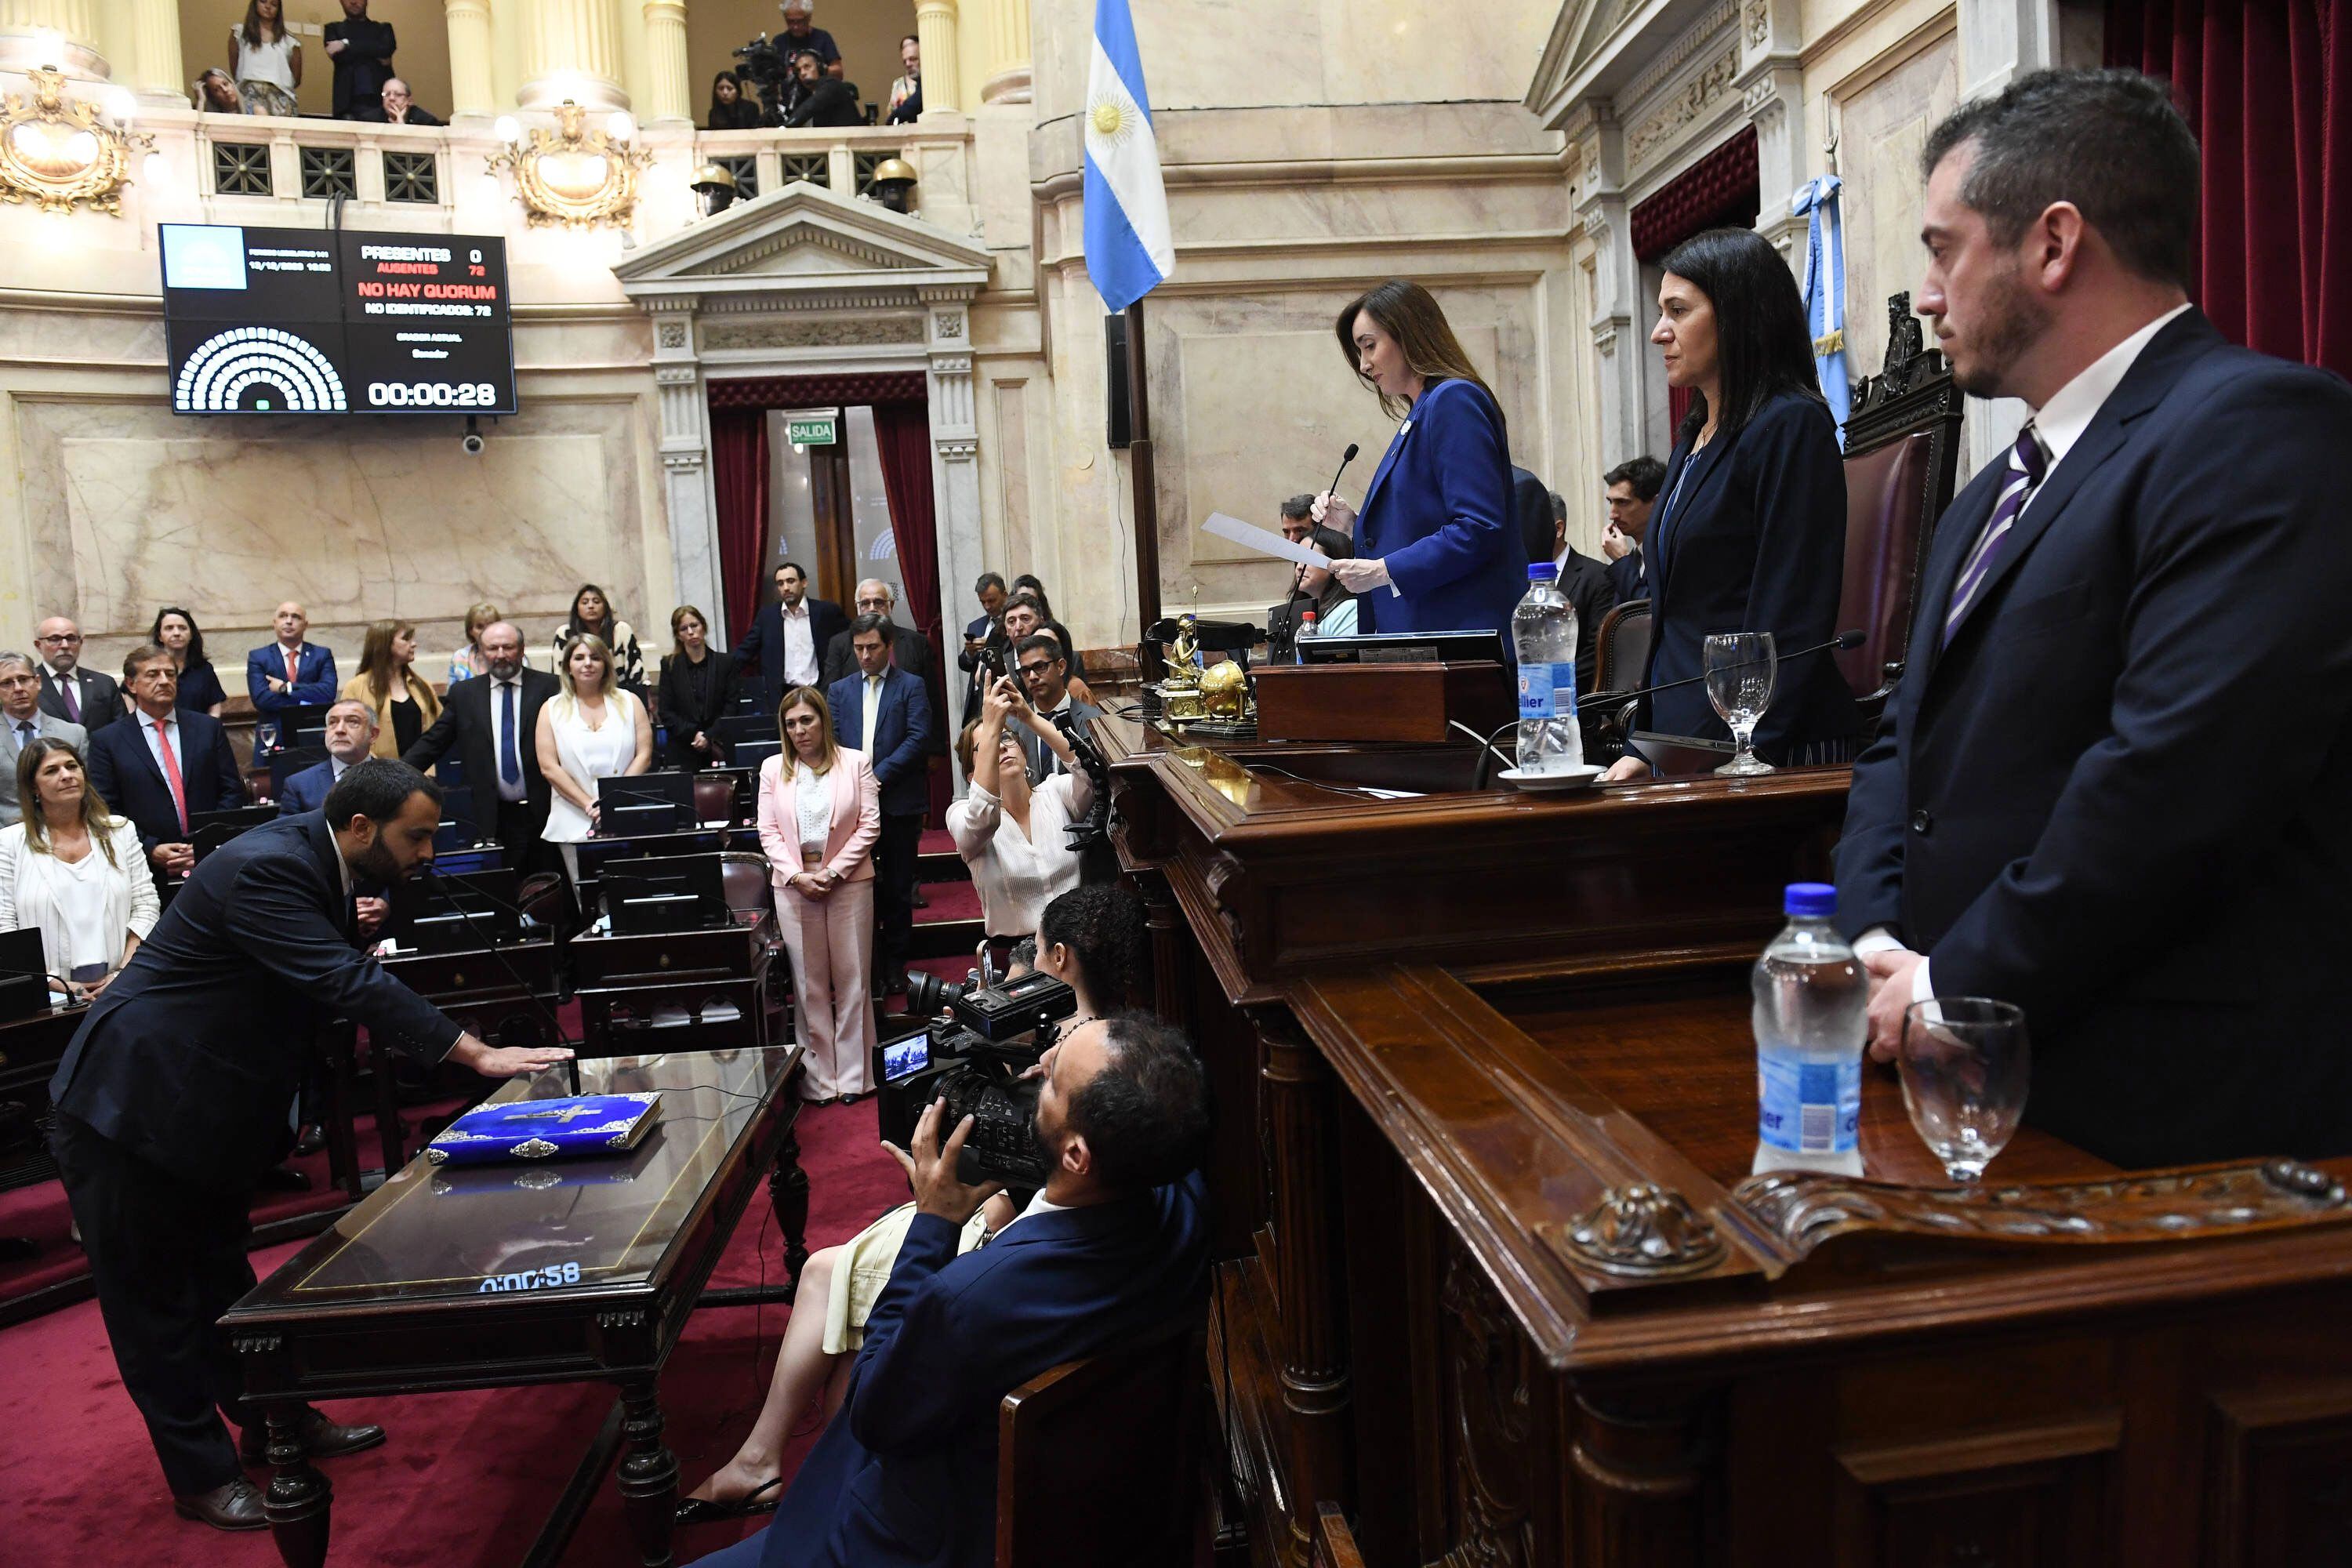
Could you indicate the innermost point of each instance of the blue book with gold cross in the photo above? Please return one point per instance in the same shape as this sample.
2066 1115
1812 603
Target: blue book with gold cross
547 1128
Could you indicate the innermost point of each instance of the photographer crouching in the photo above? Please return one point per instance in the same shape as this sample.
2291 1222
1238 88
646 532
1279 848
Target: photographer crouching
1113 1245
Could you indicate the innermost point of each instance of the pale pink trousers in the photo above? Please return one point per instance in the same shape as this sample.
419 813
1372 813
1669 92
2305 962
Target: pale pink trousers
831 940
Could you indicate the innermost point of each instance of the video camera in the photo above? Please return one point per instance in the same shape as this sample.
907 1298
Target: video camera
768 63
974 1056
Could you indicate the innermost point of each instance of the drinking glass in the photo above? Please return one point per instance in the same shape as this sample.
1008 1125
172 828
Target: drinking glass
1739 670
1965 1067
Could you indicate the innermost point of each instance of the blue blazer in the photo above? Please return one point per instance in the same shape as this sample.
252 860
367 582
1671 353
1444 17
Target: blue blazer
191 1057
306 791
763 646
2040 813
129 779
316 689
1439 512
1754 542
905 1474
900 748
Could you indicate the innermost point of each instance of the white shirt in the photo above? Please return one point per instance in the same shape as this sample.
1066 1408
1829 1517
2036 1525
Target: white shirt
812 809
521 788
2060 423
271 61
799 645
148 725
872 709
1016 875
84 910
1037 1205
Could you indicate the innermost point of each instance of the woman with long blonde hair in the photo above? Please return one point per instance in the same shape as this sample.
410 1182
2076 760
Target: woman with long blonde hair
403 702
595 728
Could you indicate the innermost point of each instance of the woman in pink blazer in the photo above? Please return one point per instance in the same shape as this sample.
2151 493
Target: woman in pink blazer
820 813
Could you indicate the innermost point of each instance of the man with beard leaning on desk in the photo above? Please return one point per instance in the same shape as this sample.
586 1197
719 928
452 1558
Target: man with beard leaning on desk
2111 787
170 1101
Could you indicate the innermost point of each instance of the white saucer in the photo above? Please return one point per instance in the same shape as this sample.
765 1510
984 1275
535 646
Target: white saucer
1564 779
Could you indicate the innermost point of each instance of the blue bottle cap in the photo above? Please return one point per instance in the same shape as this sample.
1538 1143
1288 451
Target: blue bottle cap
1542 571
1810 901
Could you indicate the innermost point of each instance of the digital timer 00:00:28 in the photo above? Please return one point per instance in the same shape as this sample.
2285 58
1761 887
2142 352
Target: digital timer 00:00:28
431 393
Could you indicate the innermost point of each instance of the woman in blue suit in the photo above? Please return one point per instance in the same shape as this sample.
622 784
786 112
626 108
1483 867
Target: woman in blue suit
1438 548
1749 535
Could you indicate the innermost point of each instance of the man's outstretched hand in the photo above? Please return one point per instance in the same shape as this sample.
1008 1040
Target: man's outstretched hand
504 1061
932 1169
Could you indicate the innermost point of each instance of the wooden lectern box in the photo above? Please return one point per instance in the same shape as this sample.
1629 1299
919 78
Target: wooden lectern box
1380 701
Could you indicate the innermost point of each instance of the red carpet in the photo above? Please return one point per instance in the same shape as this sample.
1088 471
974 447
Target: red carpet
466 1478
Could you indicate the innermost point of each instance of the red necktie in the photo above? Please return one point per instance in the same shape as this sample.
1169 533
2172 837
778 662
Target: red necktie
293 665
171 774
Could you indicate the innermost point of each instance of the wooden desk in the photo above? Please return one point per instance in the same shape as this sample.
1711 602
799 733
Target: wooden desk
692 990
1494 1280
464 1278
30 1048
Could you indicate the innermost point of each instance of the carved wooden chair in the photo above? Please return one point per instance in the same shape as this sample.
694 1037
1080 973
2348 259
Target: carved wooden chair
1621 652
1098 1460
1902 455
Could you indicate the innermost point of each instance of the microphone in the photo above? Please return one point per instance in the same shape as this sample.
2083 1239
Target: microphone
1346 458
1852 637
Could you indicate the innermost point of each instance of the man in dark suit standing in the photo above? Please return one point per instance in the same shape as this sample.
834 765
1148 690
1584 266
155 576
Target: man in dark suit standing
493 723
992 593
362 49
164 765
89 697
288 674
350 735
1632 491
1583 581
1114 1249
170 1101
2156 574
908 649
787 640
886 712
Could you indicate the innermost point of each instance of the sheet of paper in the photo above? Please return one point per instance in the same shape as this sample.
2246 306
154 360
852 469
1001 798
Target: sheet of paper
1265 542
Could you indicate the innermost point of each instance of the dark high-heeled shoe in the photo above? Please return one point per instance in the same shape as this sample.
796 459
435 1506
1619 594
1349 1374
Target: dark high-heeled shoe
703 1510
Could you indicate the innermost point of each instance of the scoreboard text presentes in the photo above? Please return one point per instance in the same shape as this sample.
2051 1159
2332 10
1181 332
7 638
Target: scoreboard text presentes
287 321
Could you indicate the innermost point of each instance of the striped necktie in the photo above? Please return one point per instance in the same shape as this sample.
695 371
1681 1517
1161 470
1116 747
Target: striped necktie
2027 464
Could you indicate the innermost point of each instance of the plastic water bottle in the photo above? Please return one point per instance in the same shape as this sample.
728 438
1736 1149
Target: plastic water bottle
1298 639
1812 1006
1544 628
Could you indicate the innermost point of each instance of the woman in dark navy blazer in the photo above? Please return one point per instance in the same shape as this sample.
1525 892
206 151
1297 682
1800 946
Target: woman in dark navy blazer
1438 547
1749 535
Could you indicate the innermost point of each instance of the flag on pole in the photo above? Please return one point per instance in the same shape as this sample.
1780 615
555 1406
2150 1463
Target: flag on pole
1817 202
1127 246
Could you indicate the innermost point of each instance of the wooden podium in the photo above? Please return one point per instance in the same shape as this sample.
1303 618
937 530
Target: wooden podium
1493 1278
1375 703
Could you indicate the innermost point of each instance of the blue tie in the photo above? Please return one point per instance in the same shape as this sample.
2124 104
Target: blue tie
509 758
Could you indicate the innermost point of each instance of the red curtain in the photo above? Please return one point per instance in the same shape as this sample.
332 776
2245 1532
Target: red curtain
903 432
1723 190
739 473
2267 87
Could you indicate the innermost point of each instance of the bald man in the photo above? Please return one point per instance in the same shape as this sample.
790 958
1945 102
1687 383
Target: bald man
287 674
909 651
398 108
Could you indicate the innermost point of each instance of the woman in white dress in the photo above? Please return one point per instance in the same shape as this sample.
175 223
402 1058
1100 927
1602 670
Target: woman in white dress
74 871
590 730
1008 830
264 60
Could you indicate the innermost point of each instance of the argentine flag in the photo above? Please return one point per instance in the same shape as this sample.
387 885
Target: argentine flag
1128 247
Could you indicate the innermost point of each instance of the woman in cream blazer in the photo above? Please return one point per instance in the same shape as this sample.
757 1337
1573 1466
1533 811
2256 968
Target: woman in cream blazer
92 910
820 813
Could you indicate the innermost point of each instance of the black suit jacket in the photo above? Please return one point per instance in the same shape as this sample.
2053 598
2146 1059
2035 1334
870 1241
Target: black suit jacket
100 696
1755 543
685 711
1627 579
362 69
131 783
829 103
465 727
910 650
2117 798
1585 583
191 1057
763 645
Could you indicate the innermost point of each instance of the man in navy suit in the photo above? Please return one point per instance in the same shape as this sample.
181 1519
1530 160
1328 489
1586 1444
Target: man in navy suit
884 712
89 697
289 673
490 722
787 640
170 1101
350 733
1114 1248
2110 788
165 765
1633 489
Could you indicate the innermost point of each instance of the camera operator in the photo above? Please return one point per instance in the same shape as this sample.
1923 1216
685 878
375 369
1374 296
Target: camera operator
1093 941
1115 1246
817 99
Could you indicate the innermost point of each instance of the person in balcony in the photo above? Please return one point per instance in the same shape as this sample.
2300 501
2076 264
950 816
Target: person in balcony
264 60
398 108
822 99
730 108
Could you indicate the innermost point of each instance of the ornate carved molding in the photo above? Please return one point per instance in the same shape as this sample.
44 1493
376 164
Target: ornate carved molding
1690 41
957 450
1693 99
1760 23
257 1345
1804 1211
833 333
682 462
675 375
1604 339
61 153
670 334
1642 1230
1493 1416
1762 95
572 175
946 324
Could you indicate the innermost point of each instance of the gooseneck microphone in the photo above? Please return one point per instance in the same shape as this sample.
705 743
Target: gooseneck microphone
1852 637
1346 458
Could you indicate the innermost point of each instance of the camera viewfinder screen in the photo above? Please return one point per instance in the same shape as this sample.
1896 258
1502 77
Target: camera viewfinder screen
911 1055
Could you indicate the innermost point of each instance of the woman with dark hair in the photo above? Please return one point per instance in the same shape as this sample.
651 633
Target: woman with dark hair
1749 535
730 108
402 700
1436 538
698 689
591 614
200 688
1314 588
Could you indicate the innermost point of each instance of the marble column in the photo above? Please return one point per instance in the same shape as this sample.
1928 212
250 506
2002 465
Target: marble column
471 95
687 494
955 439
1772 95
1009 78
154 67
1620 366
669 97
64 34
935 31
569 51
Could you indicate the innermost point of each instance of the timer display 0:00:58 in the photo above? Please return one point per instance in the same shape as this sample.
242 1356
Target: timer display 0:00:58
533 1279
432 395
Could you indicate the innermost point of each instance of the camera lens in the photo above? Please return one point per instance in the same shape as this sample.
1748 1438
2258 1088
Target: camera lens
929 994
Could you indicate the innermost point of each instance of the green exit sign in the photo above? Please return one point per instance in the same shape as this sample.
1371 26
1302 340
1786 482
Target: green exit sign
811 432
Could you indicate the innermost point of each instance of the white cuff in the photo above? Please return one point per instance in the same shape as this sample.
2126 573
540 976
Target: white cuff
1875 940
1922 988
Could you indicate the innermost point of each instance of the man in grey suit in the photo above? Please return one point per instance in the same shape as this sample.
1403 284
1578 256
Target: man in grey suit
1045 674
21 721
